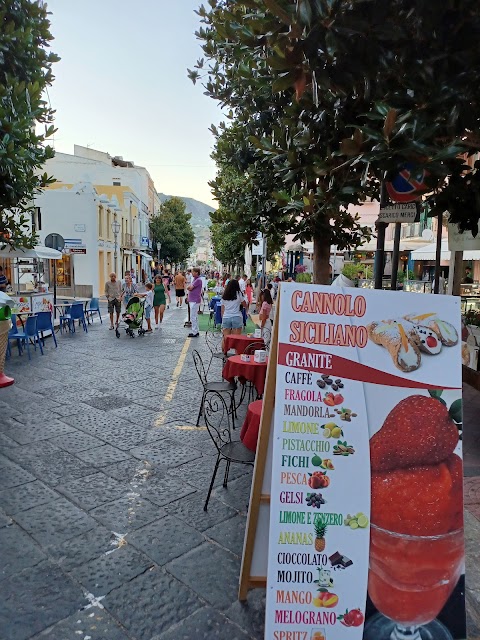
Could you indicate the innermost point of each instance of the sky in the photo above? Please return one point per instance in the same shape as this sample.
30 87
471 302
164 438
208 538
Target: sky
122 87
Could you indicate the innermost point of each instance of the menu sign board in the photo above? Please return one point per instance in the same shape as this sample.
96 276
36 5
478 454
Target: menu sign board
366 480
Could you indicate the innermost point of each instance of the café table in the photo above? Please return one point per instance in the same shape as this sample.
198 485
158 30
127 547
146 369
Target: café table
251 371
251 425
240 343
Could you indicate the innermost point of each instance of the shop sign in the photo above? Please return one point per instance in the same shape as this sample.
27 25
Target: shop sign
462 241
80 228
257 249
75 245
366 468
398 213
77 250
145 241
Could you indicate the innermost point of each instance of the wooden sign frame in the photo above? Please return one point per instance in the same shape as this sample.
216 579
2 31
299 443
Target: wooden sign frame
257 498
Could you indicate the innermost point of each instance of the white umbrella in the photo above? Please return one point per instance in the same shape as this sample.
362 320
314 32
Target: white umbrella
43 253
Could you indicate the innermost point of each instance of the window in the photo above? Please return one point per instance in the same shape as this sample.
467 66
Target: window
117 183
37 219
100 222
109 226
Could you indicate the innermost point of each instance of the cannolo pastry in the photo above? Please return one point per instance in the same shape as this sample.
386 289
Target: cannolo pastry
428 340
465 354
445 331
399 340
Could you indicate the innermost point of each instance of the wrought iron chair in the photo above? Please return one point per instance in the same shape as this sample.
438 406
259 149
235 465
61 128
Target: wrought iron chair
214 344
217 421
267 337
220 387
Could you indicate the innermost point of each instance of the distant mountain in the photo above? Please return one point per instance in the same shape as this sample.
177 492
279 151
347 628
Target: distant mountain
199 210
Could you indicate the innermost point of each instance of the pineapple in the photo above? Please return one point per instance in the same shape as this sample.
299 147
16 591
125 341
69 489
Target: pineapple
320 531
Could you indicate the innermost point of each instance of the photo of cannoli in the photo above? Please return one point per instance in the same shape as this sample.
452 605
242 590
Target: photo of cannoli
445 331
400 341
428 340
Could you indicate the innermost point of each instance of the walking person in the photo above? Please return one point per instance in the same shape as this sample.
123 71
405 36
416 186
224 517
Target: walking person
113 293
167 280
266 306
148 305
129 289
180 282
194 300
232 303
159 300
249 293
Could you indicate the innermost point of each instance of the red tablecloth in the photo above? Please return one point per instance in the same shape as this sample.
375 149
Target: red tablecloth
254 372
249 432
241 342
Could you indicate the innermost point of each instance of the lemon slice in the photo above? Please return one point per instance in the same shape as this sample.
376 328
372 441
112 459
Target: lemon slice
327 433
362 521
353 524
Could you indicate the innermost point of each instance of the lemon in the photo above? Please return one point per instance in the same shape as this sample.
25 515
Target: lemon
362 521
327 433
353 524
336 432
330 425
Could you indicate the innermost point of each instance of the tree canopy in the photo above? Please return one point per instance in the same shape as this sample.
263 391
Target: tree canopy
342 94
25 72
172 228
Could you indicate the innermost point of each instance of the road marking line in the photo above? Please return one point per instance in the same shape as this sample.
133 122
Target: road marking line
174 381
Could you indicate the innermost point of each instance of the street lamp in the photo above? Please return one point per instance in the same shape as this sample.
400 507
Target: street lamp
115 229
159 246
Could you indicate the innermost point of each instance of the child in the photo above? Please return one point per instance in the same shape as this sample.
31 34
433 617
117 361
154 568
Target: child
148 304
266 308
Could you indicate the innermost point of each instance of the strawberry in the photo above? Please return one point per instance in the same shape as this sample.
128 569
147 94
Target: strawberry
338 399
417 431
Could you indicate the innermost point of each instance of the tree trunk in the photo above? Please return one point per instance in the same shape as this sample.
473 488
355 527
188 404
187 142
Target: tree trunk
321 259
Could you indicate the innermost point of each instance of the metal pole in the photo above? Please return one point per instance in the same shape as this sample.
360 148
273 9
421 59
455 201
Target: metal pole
264 261
438 254
380 252
395 256
55 288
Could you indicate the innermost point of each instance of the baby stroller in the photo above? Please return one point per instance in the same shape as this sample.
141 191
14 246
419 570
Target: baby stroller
133 317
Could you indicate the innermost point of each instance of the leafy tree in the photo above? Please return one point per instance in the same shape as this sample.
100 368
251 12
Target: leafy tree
172 228
25 72
227 242
347 92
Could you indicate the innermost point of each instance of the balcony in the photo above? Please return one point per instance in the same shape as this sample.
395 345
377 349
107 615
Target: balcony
128 241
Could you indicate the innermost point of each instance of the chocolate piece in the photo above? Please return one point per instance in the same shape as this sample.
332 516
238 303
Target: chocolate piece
336 558
346 562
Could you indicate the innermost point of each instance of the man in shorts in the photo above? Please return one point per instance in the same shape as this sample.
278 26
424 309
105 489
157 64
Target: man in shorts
113 293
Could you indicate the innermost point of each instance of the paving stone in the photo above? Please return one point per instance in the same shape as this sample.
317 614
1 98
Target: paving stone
82 548
61 521
199 472
161 491
36 599
195 570
5 441
25 434
124 436
100 456
94 624
102 575
190 436
165 452
12 475
94 490
206 624
160 602
5 521
229 534
7 410
29 452
135 413
77 441
250 615
26 496
18 551
55 468
133 469
237 493
166 539
190 510
94 422
107 402
127 514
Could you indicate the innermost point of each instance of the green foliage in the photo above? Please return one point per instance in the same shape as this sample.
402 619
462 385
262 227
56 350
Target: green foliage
25 72
303 277
227 242
172 228
341 94
350 270
405 275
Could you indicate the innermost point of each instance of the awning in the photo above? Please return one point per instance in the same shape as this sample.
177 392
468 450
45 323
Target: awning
143 254
44 253
408 244
428 252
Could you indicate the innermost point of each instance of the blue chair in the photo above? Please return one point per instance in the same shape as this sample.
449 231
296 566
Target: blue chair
94 307
11 332
45 323
30 332
218 314
213 302
76 313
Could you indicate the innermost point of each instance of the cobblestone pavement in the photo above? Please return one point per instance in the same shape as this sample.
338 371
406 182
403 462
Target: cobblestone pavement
102 482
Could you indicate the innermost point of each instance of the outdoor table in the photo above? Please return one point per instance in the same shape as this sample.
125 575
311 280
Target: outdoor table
68 301
249 432
241 342
254 372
